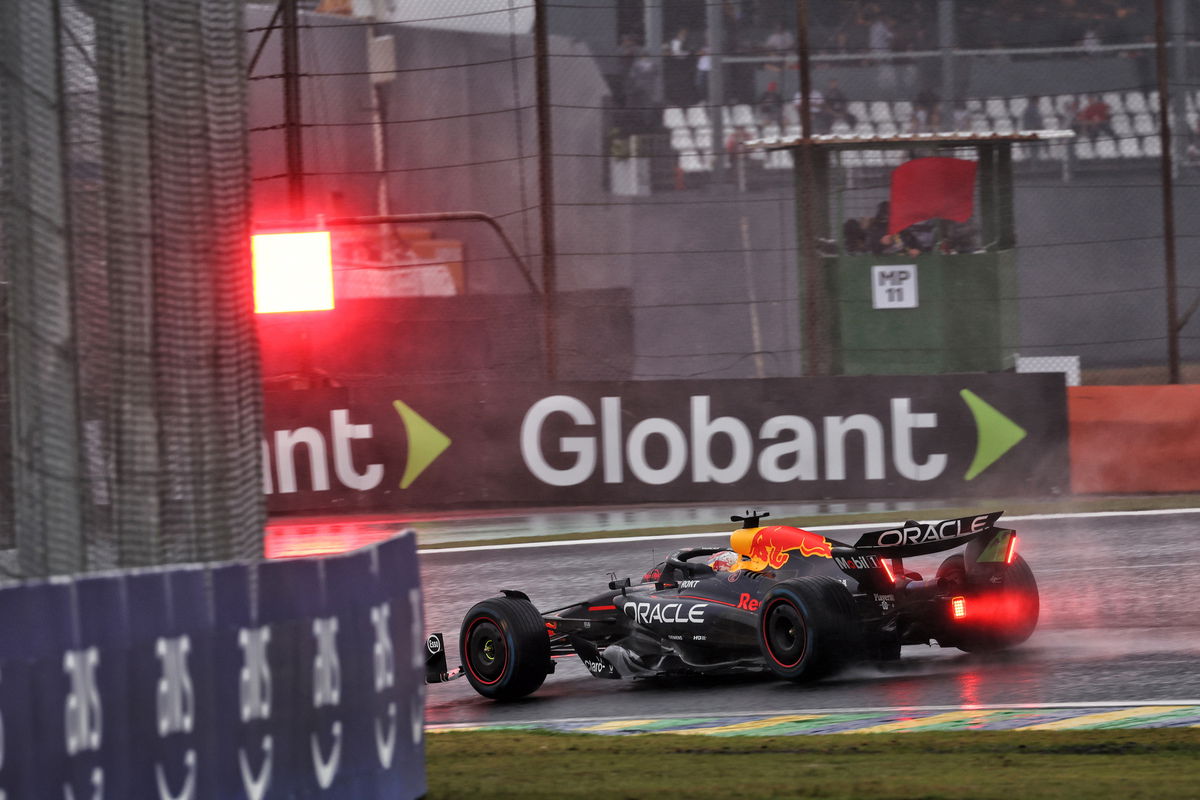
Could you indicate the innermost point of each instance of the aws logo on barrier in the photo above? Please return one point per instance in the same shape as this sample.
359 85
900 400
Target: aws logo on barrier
425 444
786 449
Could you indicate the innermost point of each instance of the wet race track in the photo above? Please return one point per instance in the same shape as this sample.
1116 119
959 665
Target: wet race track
1120 622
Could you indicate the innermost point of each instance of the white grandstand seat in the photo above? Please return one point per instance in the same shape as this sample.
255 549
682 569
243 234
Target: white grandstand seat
791 131
697 117
1056 151
1143 125
902 111
858 109
743 115
975 105
1017 106
1152 100
1020 152
886 128
770 132
864 128
1116 103
1129 147
851 158
841 128
980 124
704 140
779 159
894 158
873 158
727 117
673 118
692 162
1046 106
880 112
1135 102
681 139
1063 102
1106 148
1084 150
996 108
1152 146
791 114
1051 122
1003 124
1121 125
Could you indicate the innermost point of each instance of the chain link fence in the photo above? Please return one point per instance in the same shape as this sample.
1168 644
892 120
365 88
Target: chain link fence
131 393
680 240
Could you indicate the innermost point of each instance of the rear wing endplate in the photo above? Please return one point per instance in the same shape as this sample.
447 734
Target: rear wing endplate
918 538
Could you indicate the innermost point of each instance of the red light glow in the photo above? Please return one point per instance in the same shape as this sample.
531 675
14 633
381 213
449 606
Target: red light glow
888 569
292 272
1012 550
959 607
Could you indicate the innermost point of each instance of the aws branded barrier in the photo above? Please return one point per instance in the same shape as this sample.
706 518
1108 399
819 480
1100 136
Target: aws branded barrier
394 448
281 679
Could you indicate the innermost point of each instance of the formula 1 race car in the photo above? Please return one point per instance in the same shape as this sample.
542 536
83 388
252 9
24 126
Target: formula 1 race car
778 598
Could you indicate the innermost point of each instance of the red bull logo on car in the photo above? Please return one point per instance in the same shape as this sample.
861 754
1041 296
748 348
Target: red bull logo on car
773 545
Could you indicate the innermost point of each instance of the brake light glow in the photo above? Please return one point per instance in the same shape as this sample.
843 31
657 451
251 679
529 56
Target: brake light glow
888 569
1012 549
958 607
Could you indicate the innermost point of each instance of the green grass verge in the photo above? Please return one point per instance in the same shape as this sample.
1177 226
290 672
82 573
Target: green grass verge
1011 507
1155 763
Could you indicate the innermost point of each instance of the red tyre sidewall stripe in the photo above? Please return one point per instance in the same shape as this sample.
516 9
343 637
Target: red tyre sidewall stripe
765 615
467 660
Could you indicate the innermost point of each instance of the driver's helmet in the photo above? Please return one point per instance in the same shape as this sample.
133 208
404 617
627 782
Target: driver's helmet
722 561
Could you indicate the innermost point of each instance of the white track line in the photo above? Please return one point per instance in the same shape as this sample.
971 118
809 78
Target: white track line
805 711
846 527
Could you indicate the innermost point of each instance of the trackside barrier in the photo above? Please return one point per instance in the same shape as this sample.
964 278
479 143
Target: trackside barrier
1134 438
282 679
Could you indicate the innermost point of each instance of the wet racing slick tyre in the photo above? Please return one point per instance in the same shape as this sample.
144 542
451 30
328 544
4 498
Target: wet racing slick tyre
1006 616
504 647
804 627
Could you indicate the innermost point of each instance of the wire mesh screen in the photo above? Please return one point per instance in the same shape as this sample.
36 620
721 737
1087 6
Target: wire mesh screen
674 247
133 370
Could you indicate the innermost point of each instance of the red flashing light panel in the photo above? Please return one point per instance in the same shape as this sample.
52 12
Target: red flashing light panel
959 607
292 272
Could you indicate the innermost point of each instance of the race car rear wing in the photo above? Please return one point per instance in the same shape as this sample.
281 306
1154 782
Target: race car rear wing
918 538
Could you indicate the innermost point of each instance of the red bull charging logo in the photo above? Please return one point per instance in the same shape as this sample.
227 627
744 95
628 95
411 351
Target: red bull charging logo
772 546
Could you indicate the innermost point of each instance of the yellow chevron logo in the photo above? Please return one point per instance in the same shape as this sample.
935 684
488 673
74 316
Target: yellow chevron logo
425 443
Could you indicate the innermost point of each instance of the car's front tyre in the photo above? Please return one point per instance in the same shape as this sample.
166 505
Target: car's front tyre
504 647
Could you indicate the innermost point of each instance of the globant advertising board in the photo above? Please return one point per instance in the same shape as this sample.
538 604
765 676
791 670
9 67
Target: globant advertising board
787 439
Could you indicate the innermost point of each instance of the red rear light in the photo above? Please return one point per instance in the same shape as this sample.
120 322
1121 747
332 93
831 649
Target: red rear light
1012 549
887 568
958 607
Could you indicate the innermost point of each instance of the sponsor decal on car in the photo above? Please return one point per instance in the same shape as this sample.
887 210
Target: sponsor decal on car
646 613
857 562
917 533
748 603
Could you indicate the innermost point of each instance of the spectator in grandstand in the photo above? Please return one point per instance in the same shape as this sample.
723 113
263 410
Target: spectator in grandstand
927 115
1031 117
780 43
770 104
680 45
703 70
1094 119
836 107
854 236
881 34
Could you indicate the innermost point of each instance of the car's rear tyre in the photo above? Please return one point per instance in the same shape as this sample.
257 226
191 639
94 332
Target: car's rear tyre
504 647
1006 615
805 627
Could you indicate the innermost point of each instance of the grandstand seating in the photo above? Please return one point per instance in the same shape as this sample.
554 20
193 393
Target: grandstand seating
1134 127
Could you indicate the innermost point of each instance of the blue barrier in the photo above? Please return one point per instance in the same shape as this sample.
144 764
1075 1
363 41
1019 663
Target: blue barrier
258 681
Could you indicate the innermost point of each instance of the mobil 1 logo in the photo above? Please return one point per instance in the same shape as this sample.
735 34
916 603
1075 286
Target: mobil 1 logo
894 286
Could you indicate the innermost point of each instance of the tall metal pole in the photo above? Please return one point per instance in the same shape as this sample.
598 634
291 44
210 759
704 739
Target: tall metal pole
1168 189
715 19
946 42
813 344
546 184
293 132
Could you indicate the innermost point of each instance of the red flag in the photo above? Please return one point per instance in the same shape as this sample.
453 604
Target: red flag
928 188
